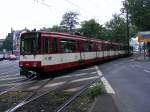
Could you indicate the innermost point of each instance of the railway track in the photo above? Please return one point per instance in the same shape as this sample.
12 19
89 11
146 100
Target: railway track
18 85
29 98
76 95
39 93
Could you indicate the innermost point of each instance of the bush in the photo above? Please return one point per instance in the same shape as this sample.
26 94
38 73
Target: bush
96 89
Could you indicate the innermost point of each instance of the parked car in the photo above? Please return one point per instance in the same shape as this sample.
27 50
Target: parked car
12 57
1 57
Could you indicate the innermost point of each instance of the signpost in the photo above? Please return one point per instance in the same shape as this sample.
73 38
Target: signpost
144 37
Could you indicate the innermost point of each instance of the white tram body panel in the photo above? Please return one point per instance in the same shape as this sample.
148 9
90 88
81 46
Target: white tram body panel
52 59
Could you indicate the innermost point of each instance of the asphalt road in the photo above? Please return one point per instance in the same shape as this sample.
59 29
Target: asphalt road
130 80
9 72
10 77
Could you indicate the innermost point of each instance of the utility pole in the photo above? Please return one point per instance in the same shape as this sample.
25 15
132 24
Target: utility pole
126 10
127 18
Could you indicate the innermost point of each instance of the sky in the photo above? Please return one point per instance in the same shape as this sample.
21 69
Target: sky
30 14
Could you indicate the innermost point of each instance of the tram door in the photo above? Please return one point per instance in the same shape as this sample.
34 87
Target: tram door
80 49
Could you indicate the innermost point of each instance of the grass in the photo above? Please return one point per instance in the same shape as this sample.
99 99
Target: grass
96 89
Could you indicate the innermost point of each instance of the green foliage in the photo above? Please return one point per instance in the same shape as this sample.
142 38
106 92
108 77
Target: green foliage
69 21
55 28
91 28
96 90
139 11
116 27
7 43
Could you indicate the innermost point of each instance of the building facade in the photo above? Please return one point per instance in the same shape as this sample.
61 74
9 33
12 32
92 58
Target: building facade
1 42
16 40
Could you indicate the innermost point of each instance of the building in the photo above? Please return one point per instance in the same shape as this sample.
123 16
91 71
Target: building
1 42
16 39
134 43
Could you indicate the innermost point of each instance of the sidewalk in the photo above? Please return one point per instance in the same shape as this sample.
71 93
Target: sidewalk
140 57
104 103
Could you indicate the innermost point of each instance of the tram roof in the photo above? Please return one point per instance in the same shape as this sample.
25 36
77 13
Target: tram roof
70 36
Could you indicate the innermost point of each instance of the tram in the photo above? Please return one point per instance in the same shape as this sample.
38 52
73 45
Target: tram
44 52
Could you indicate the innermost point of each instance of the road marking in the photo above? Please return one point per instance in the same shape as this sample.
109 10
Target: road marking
12 84
60 83
84 79
98 71
6 76
12 78
68 76
74 89
108 87
8 72
147 71
55 84
87 69
81 74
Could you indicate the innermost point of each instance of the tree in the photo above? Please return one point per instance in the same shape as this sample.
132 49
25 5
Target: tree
7 44
69 21
91 28
116 28
139 13
55 28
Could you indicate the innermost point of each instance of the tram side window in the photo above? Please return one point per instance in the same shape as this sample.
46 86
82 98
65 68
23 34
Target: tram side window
109 47
54 44
46 47
104 47
68 46
99 47
91 46
88 46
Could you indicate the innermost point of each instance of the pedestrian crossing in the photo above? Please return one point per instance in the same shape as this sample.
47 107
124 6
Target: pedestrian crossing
81 78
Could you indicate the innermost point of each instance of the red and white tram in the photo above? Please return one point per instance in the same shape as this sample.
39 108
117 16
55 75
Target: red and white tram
42 52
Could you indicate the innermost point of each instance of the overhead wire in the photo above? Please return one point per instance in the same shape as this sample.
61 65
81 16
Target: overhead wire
42 2
86 12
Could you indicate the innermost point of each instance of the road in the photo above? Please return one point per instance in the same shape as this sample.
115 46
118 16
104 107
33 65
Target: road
130 80
9 77
9 72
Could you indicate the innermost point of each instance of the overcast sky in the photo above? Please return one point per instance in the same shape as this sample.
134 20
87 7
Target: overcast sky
31 14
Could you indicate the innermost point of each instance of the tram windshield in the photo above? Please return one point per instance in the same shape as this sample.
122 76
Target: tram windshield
30 44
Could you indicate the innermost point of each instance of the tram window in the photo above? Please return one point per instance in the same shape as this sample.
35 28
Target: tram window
68 45
104 47
91 46
79 46
88 46
99 47
28 45
54 44
46 47
109 47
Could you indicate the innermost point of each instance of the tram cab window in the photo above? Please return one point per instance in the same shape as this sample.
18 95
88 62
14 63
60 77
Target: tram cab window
68 46
46 43
54 44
